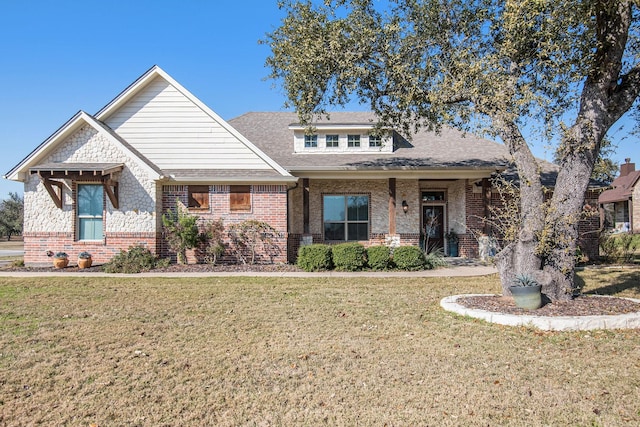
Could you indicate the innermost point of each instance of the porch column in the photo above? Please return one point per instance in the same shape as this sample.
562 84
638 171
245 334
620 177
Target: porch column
392 206
305 206
486 201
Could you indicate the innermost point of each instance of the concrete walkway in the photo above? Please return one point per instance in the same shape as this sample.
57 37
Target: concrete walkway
453 271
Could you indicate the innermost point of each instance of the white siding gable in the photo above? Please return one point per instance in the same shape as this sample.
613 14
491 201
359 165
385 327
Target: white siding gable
173 132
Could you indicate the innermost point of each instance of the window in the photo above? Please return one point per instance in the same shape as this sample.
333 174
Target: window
375 141
90 208
353 140
433 196
310 141
346 217
332 141
240 198
198 197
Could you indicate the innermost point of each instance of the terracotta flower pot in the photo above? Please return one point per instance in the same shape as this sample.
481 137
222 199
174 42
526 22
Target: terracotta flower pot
84 262
60 262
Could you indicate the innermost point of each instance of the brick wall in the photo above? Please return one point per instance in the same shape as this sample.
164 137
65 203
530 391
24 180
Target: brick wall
268 204
36 245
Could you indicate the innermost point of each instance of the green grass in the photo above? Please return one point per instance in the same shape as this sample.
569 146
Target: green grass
276 351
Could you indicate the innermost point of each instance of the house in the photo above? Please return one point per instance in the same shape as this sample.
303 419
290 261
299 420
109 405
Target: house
377 187
101 182
620 205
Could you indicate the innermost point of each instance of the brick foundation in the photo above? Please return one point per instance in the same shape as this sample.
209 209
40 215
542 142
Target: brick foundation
36 245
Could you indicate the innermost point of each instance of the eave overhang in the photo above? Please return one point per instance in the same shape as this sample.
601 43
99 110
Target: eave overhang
403 173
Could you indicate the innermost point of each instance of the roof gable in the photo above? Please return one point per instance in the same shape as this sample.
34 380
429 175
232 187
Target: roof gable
175 130
19 172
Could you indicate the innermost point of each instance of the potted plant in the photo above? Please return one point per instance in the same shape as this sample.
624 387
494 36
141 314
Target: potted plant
526 292
60 260
84 259
452 243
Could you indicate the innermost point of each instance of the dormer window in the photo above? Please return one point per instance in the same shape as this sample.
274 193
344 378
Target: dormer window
353 141
375 141
332 141
310 141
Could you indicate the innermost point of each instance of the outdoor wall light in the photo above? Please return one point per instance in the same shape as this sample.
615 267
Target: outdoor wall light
405 206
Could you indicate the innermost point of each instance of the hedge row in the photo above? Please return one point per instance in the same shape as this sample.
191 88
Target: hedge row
354 257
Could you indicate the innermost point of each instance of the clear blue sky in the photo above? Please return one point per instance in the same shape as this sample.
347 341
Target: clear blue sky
61 56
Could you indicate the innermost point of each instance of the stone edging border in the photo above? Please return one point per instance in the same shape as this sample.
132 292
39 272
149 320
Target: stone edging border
546 323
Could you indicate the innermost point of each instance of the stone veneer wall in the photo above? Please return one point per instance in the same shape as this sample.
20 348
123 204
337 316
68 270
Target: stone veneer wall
48 228
268 204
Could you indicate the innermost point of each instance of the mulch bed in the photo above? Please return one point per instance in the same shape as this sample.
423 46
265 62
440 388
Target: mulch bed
584 305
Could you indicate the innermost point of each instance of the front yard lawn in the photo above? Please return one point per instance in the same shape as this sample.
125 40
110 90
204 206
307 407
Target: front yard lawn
289 351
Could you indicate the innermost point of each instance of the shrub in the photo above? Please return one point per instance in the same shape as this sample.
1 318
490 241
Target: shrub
435 259
213 240
378 257
251 238
409 258
618 247
349 256
137 259
314 257
180 231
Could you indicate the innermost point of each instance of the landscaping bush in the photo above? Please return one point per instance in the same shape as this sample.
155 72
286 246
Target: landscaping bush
410 258
378 257
618 247
435 259
314 257
349 256
136 260
213 240
252 240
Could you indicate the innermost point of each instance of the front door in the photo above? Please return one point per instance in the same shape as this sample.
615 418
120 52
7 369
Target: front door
433 228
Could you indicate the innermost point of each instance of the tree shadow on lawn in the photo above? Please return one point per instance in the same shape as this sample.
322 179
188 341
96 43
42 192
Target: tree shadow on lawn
625 281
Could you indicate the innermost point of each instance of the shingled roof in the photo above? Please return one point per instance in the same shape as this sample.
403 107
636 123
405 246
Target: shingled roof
424 150
622 188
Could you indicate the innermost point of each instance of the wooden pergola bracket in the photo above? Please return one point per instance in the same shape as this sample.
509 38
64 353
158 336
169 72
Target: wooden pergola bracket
111 188
55 193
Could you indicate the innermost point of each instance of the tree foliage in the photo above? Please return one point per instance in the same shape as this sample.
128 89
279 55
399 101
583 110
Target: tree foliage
11 215
568 67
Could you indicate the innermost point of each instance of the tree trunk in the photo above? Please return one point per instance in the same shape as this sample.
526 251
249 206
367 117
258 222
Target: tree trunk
520 257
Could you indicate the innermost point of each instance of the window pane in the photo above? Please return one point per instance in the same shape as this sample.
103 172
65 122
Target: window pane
353 140
334 208
333 231
358 231
311 140
90 229
332 140
90 200
358 208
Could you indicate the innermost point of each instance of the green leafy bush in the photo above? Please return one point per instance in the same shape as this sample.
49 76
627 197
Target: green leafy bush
349 256
378 257
410 258
180 231
435 259
135 260
315 257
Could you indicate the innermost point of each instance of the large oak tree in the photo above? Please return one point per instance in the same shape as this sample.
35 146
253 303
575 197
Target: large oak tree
569 66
